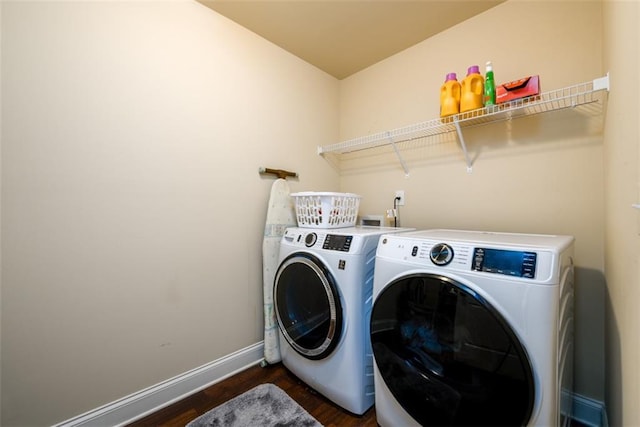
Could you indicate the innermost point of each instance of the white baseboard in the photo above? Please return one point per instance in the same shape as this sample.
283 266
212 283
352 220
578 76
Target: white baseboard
589 411
138 405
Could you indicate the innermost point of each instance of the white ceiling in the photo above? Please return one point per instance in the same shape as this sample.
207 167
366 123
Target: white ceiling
343 37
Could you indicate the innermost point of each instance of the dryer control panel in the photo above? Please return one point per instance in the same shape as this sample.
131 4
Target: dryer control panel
321 240
335 242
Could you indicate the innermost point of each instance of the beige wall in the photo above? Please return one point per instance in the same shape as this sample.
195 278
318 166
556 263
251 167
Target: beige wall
622 249
542 174
132 208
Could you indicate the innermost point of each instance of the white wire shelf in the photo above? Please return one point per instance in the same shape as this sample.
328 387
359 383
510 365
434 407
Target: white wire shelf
569 97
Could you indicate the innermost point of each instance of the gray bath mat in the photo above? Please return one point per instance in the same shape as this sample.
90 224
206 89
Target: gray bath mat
264 405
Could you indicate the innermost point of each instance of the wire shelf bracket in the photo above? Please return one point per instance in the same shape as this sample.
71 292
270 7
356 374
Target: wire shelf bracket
400 159
463 145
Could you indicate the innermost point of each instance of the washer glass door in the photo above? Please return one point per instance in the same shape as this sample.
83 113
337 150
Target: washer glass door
307 306
447 356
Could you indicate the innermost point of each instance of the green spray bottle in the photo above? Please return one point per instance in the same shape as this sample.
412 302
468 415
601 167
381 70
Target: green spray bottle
489 86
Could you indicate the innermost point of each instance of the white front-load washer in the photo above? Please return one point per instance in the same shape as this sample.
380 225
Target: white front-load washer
322 297
473 328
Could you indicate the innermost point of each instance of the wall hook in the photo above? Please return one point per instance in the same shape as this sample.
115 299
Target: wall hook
280 173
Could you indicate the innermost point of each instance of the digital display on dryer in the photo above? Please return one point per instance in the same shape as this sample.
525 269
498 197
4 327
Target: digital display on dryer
509 263
335 242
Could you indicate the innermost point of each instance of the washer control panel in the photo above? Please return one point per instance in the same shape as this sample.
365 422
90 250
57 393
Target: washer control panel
498 256
507 262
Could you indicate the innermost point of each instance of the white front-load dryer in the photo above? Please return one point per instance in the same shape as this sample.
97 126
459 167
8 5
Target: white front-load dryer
322 297
473 328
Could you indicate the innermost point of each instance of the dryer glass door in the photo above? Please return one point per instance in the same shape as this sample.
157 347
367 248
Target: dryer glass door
448 357
307 306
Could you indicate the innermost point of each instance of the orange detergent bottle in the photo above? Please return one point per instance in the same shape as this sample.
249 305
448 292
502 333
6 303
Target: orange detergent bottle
472 90
450 96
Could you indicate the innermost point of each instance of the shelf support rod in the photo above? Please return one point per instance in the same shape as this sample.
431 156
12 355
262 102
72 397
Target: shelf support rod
395 148
462 144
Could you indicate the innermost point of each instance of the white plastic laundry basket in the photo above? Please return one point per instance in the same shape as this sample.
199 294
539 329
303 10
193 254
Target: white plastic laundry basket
326 210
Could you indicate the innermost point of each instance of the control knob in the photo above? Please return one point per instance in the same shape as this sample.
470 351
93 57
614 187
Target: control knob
310 239
441 254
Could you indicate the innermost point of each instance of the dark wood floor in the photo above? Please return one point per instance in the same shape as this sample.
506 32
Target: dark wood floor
322 409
